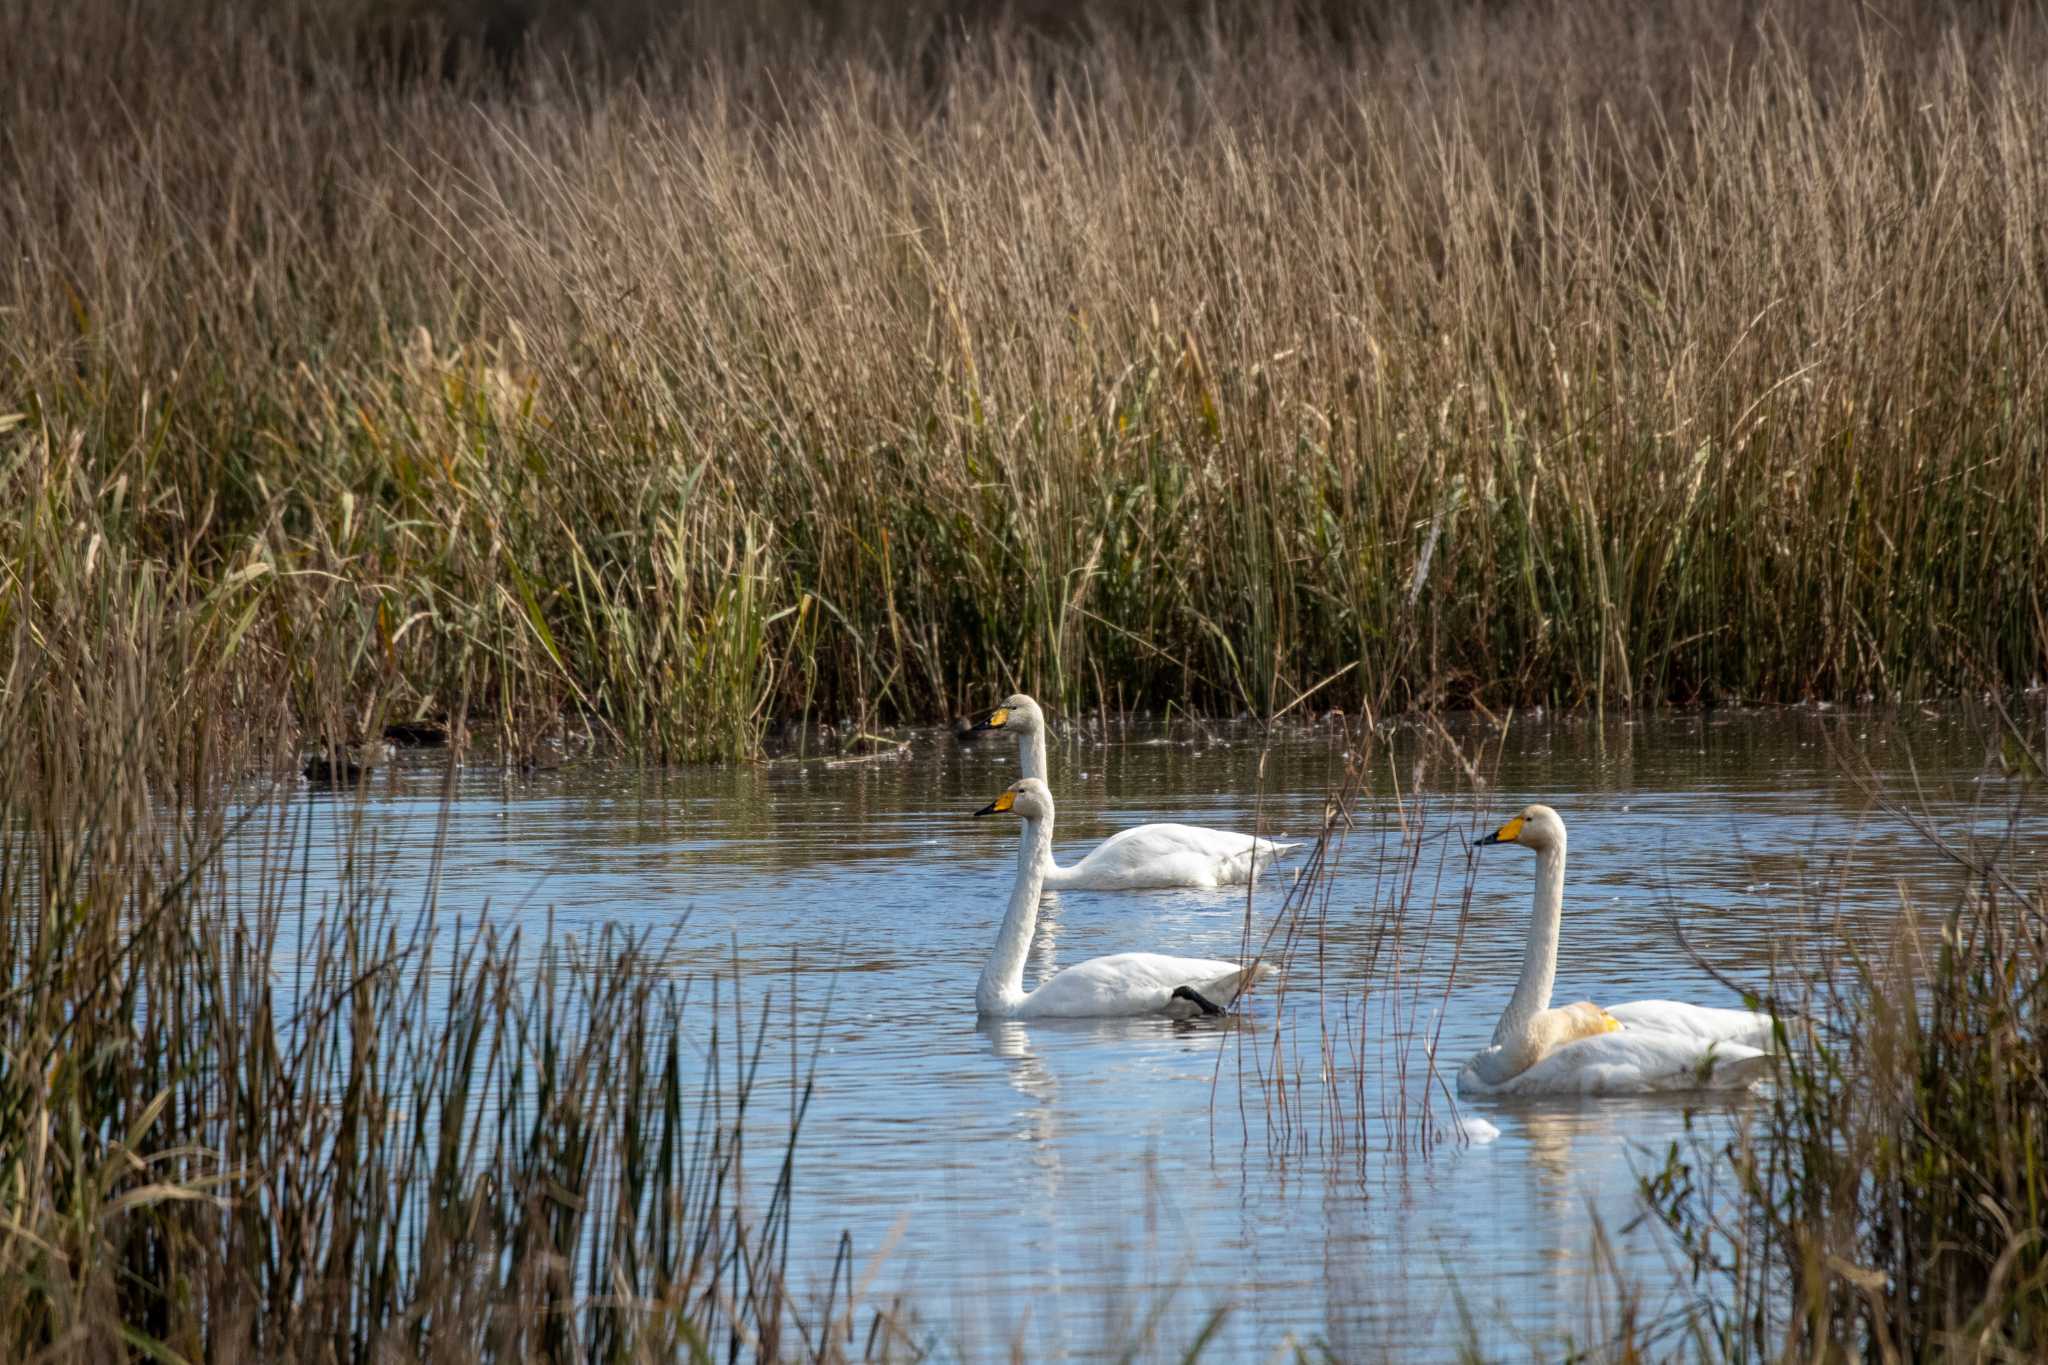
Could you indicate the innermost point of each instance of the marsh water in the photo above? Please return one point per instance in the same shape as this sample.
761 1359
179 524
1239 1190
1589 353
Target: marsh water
1072 1189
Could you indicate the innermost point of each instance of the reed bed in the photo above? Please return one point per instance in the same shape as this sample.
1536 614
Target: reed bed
744 375
251 1109
751 374
403 1145
1887 1202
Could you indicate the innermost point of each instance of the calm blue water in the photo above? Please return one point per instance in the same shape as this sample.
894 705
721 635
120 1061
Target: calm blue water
1072 1189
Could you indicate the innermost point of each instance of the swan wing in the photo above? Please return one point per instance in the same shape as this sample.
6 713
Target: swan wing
1701 1022
1162 855
1133 983
1633 1061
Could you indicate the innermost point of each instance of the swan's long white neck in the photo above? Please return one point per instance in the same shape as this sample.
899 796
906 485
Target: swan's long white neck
1031 762
1031 753
1002 980
1539 957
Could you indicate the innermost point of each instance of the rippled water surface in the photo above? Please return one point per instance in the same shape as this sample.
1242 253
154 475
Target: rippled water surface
1052 1186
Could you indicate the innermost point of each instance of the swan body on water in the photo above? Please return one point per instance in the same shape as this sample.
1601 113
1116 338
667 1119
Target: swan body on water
1122 984
1144 856
1582 1049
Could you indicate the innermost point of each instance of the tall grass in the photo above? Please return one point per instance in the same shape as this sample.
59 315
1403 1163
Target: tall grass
1557 354
250 1109
1561 353
1890 1201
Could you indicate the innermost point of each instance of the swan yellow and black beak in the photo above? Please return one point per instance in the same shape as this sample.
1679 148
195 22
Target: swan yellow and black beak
1000 804
994 720
1506 834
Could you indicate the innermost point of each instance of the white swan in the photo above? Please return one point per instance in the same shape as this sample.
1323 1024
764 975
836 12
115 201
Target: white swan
1144 856
1119 985
1582 1049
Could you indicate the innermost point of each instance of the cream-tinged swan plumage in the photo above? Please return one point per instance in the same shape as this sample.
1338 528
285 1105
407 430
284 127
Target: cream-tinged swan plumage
1144 856
1120 985
1581 1049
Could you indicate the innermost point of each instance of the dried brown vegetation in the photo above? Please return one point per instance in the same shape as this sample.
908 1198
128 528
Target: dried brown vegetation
250 1109
1890 1200
1553 352
685 382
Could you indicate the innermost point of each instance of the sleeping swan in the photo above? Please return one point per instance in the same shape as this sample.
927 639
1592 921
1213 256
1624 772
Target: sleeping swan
1119 985
1585 1050
1144 856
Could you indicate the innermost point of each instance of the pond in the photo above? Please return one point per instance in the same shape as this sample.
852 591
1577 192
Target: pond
1070 1188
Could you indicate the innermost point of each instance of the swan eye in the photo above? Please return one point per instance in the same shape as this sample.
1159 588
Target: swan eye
1509 832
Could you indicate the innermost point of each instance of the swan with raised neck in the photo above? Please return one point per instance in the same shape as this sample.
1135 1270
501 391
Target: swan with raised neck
1022 717
1001 987
1144 856
1122 984
1582 1048
1529 1029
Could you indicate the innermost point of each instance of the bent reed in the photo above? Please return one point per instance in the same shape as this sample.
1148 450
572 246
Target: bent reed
1566 354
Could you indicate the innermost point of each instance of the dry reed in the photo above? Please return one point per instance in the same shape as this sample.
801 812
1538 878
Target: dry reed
1890 1200
1563 352
1559 353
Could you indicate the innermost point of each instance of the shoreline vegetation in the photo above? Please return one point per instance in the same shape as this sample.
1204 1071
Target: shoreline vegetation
683 385
1886 1199
692 383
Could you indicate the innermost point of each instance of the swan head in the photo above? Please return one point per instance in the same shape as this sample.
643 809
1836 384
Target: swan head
1018 714
1537 827
1028 797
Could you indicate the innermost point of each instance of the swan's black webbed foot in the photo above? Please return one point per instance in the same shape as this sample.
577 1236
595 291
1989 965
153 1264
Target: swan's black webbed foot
1197 999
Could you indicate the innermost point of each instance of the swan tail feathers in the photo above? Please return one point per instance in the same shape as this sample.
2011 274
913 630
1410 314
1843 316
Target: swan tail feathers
1245 865
1733 1068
